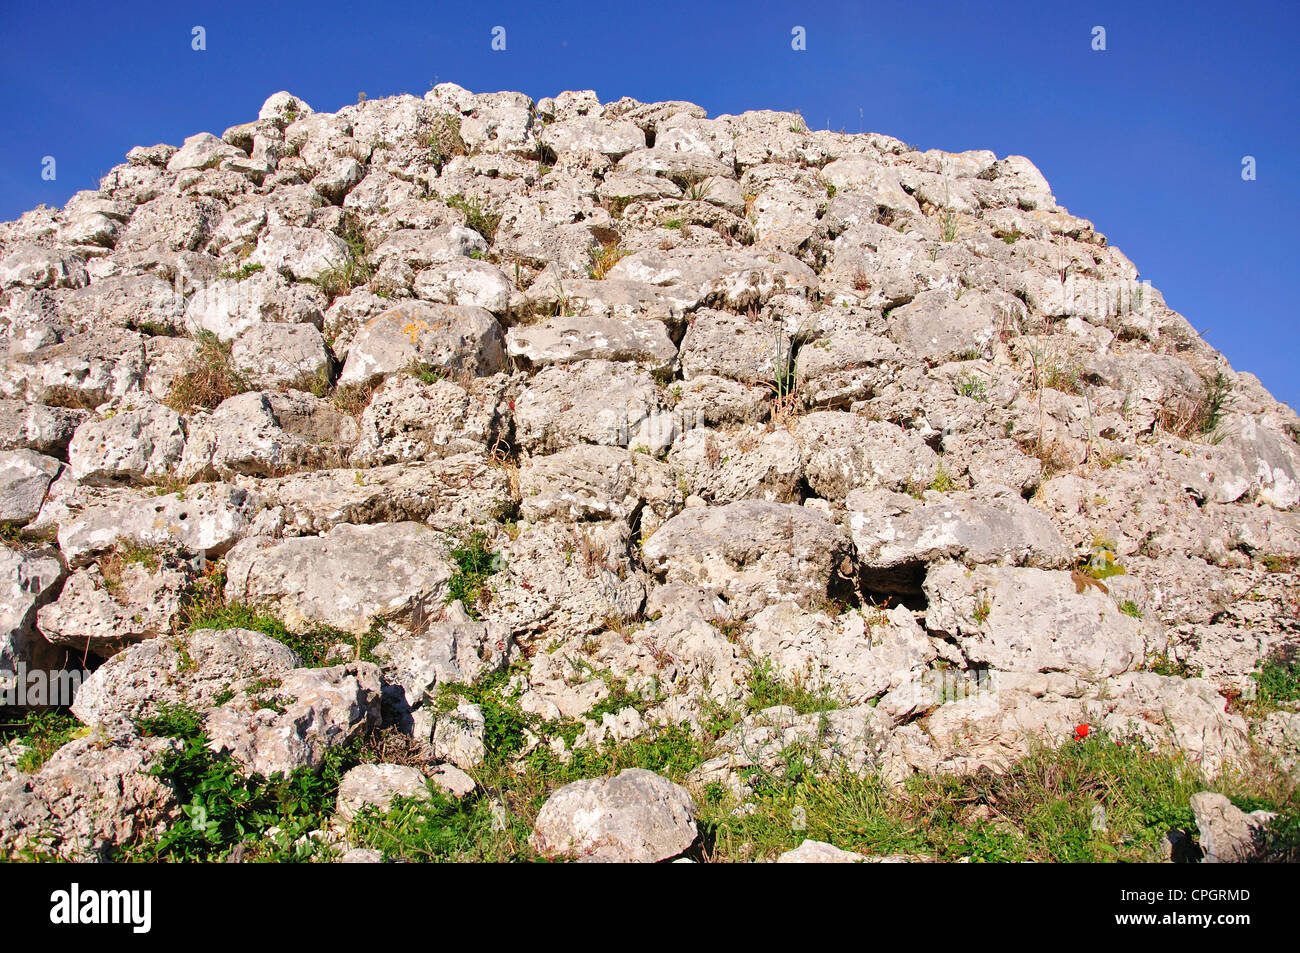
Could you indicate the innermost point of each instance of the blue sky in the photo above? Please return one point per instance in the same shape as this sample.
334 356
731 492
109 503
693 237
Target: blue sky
1146 139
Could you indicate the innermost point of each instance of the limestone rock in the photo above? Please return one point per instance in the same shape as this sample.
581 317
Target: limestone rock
103 614
27 581
458 736
592 482
843 451
563 340
735 279
329 579
598 402
1032 620
377 786
130 443
636 816
753 552
205 519
300 253
892 529
428 335
90 797
25 478
1228 834
282 355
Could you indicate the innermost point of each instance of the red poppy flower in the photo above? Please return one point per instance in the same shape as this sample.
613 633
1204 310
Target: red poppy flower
1080 732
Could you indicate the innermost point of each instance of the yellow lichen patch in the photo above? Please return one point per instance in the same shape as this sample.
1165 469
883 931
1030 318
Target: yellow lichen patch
414 329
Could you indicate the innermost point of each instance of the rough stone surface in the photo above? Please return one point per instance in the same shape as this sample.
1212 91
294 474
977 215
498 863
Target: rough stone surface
377 786
636 816
25 478
627 421
330 579
1228 834
418 333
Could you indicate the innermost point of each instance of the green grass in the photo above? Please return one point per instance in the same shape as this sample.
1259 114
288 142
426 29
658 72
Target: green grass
1214 402
1041 809
1278 564
766 690
208 609
493 823
948 225
424 373
969 385
343 279
477 215
1277 682
43 733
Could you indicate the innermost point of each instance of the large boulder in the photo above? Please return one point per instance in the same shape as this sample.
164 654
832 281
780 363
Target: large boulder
563 340
102 613
377 786
131 442
1033 620
614 139
445 494
753 552
428 335
733 278
256 704
1228 834
636 816
331 579
843 451
25 478
93 795
205 519
994 526
600 402
300 253
27 581
590 482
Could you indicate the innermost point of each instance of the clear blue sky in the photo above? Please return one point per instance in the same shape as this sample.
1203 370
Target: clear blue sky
1145 139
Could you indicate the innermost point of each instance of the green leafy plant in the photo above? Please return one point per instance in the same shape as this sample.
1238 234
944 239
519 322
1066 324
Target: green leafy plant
343 279
475 562
1277 680
224 810
1102 563
972 386
41 733
242 272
